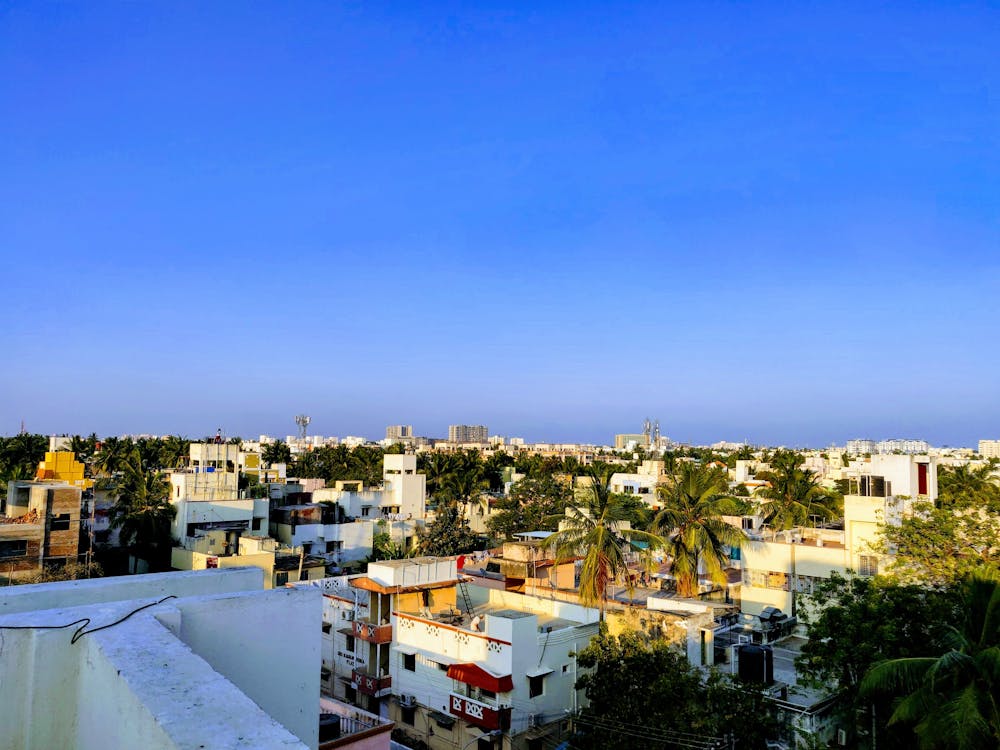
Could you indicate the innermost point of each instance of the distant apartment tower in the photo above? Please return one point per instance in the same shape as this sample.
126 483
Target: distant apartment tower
898 445
468 433
989 448
861 446
628 441
398 431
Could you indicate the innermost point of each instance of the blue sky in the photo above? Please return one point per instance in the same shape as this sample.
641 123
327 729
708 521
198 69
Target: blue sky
749 220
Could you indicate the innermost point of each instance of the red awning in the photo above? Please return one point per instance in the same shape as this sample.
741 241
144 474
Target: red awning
473 674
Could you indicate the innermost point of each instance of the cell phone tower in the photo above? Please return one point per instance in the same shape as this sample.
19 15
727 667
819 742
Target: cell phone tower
303 422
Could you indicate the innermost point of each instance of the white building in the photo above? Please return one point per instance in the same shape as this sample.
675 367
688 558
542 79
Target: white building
204 660
861 446
464 664
989 448
898 445
324 531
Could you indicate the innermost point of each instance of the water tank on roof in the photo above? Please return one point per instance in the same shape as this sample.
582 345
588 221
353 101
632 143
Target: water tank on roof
756 663
329 727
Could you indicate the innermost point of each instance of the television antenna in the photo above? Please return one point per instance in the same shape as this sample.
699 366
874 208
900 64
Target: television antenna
303 422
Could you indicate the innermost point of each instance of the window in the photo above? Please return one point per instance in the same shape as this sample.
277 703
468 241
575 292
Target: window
256 524
747 523
536 686
14 548
868 565
565 668
410 662
59 523
365 510
326 627
349 645
280 579
334 546
407 714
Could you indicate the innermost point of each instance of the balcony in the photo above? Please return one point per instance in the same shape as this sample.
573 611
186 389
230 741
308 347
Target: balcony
372 632
370 684
478 713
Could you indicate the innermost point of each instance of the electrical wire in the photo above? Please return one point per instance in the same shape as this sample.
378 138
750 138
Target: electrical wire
85 621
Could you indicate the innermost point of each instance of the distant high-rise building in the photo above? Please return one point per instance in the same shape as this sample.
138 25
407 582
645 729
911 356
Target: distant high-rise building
861 446
628 441
989 448
468 433
898 445
397 431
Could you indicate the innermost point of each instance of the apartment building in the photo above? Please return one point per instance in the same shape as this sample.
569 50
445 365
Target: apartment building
467 665
989 448
468 433
861 446
398 431
778 566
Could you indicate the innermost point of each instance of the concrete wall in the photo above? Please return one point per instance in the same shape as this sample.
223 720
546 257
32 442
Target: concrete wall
43 596
261 661
134 684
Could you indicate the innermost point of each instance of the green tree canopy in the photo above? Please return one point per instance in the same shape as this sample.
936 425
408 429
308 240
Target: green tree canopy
645 694
855 622
533 504
951 698
938 546
448 533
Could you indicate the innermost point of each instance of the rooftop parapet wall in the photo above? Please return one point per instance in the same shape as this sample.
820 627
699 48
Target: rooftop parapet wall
136 683
43 596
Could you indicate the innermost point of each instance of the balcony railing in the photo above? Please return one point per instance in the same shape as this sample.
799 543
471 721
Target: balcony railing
481 714
371 684
372 632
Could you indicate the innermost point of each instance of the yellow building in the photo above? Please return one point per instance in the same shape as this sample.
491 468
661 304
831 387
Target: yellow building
63 466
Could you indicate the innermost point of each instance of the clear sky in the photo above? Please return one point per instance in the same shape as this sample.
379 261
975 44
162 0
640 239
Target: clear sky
778 222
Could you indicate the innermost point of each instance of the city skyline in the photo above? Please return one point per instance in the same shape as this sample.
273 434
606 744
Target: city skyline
753 222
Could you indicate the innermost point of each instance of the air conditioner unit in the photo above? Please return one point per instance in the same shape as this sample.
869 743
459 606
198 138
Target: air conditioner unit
407 701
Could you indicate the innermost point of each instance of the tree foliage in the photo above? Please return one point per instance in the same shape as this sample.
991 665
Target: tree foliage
142 511
691 522
533 504
855 622
966 486
595 528
938 546
448 533
950 696
20 455
641 692
794 493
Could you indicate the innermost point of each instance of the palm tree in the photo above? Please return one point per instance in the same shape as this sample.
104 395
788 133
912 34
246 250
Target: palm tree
596 528
962 486
794 493
691 521
952 700
437 467
112 455
277 452
174 451
142 511
21 454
